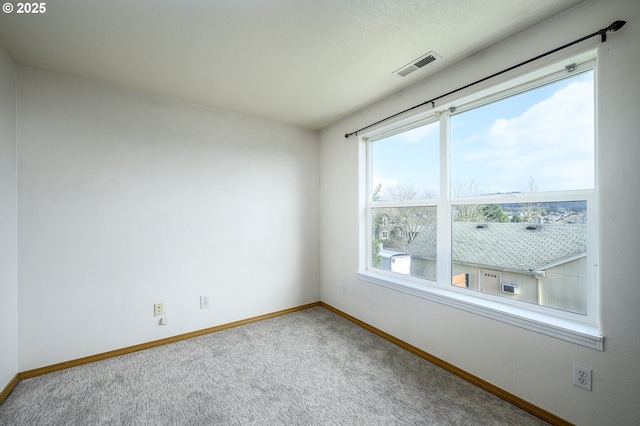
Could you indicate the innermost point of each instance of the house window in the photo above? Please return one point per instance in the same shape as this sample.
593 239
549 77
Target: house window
495 193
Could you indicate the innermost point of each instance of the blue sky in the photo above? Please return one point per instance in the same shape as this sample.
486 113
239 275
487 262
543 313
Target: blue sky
545 135
411 159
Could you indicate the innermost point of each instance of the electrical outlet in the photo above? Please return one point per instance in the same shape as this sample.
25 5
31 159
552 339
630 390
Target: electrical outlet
158 309
582 376
204 301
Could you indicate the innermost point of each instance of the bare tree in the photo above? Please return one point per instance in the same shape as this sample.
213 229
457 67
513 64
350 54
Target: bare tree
463 188
376 192
400 192
466 212
532 211
404 223
412 220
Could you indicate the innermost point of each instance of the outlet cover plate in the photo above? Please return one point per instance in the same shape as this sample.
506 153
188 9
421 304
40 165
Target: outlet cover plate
158 309
204 301
582 376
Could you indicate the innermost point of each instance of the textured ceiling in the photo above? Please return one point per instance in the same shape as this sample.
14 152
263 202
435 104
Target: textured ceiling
303 62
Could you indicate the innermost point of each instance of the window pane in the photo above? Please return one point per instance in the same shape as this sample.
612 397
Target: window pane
406 166
539 140
404 240
532 252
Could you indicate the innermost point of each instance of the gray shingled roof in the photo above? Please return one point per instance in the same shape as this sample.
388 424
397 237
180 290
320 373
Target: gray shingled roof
507 246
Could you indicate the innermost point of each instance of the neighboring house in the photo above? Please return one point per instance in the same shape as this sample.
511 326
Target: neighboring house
539 263
423 251
395 233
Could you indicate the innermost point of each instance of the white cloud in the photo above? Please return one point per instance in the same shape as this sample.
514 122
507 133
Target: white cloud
551 142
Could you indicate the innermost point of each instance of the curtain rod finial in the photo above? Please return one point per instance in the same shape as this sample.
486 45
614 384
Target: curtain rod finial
346 135
616 26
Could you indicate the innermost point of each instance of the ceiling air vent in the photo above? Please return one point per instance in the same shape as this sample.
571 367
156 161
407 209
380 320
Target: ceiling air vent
418 63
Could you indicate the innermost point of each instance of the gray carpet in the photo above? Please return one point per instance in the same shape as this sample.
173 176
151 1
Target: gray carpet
311 367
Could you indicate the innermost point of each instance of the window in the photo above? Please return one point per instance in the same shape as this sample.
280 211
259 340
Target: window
404 187
490 205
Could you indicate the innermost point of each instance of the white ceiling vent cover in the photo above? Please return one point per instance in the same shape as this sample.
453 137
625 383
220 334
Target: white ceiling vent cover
418 63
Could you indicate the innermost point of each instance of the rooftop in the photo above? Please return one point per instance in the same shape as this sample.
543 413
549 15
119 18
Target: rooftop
507 246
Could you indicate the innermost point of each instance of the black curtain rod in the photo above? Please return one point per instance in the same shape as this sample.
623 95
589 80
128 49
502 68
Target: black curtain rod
603 33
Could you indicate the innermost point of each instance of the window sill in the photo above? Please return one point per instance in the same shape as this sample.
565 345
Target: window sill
561 328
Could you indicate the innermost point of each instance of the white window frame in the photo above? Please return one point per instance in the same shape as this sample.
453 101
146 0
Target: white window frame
580 329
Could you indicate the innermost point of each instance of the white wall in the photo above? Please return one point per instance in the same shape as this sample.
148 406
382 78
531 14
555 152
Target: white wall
530 365
127 199
8 223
